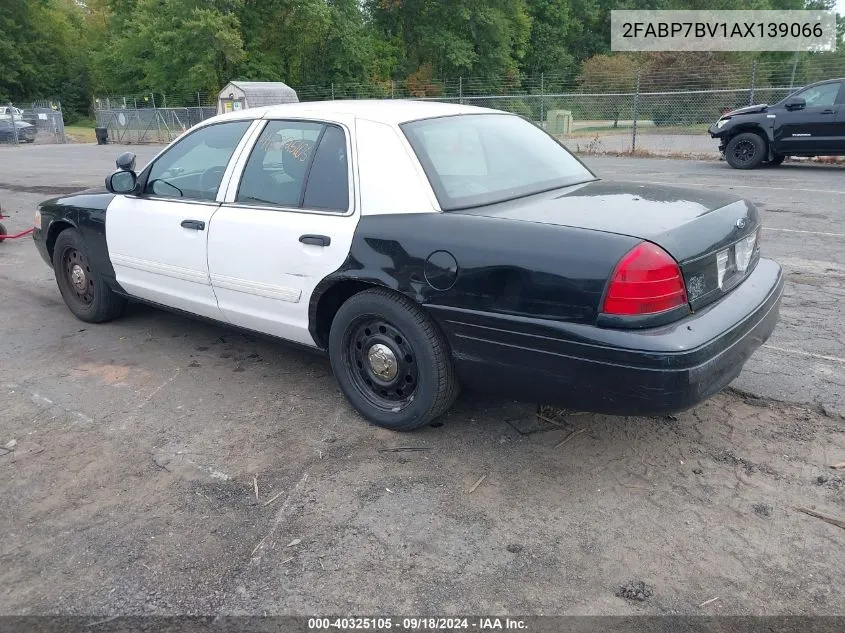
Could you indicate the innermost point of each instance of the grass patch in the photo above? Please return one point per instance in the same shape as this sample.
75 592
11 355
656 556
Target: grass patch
81 132
686 130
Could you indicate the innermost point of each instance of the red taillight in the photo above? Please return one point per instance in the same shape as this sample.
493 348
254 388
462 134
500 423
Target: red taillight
646 281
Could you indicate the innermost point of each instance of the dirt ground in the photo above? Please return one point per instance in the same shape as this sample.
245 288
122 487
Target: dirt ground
136 448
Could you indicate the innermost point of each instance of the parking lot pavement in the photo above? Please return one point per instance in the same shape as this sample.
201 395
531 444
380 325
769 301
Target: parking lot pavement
139 444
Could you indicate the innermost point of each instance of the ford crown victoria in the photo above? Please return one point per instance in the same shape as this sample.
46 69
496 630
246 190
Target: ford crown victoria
423 247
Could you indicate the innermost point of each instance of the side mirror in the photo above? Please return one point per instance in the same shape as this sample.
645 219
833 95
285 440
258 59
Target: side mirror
126 161
122 181
796 103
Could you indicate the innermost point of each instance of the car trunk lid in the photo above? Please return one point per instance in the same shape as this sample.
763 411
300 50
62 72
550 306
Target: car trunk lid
712 235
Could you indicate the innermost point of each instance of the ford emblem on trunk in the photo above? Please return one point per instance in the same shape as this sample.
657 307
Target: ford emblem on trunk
740 224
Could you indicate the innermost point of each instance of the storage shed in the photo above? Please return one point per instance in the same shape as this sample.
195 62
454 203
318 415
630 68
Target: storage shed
239 95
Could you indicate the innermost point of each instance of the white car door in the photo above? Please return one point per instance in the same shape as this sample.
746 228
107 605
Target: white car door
284 225
157 240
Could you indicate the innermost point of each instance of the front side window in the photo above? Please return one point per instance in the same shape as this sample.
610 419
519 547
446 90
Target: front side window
297 164
477 159
821 96
193 168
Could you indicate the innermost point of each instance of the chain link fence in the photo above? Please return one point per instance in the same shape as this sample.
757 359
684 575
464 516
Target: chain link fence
661 111
36 122
148 118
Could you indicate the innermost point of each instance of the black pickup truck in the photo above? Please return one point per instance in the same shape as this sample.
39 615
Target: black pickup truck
809 122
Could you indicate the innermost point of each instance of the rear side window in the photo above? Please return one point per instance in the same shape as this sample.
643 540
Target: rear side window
328 185
276 170
297 164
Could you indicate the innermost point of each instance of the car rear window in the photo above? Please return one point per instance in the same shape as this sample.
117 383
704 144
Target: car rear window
477 159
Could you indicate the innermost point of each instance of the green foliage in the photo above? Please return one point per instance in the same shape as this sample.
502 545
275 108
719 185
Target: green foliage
164 44
42 55
459 37
71 49
548 49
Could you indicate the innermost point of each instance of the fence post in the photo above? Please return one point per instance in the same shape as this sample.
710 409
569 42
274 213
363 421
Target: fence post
635 114
59 123
392 89
155 114
332 91
199 102
794 66
753 82
14 127
542 100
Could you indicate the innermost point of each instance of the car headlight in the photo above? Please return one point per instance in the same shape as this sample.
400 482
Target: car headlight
721 122
37 222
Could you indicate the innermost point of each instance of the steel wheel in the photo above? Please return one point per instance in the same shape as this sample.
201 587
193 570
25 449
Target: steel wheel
84 290
391 360
77 273
382 363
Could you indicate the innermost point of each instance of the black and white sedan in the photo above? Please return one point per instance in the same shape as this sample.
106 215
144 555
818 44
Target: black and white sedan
424 246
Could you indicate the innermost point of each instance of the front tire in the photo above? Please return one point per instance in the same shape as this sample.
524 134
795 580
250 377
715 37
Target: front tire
745 151
391 361
83 287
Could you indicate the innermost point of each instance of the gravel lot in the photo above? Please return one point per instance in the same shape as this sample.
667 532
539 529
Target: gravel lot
139 443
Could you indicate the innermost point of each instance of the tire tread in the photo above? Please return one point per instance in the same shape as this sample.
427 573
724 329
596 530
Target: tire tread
107 305
447 388
761 144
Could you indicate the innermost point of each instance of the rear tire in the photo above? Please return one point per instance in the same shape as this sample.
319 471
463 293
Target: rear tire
3 233
391 361
83 287
745 151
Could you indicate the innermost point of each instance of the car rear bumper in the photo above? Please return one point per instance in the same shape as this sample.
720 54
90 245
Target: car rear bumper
632 372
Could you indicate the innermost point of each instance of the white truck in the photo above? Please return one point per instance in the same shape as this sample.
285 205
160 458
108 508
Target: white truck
11 112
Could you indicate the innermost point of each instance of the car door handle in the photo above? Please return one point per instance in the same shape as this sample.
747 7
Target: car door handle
197 225
828 111
315 240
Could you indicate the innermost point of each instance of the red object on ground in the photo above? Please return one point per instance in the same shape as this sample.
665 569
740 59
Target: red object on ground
4 236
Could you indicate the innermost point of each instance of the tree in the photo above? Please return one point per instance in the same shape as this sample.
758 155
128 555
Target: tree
548 51
41 54
282 38
348 50
183 46
610 75
485 39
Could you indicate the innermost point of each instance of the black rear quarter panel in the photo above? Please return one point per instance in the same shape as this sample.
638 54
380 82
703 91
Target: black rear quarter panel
500 266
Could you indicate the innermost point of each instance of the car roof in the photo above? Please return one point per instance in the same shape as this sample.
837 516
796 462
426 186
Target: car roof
393 111
824 81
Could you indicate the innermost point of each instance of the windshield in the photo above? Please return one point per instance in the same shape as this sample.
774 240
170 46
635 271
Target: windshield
477 159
